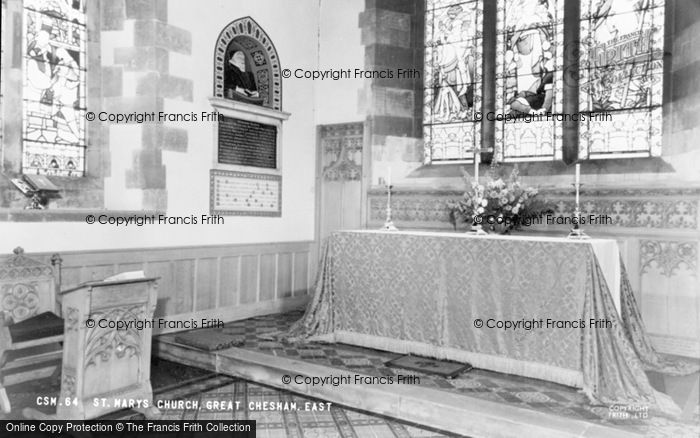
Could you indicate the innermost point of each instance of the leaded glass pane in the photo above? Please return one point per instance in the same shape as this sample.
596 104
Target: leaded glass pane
636 86
621 72
627 132
449 141
529 59
452 93
54 87
529 141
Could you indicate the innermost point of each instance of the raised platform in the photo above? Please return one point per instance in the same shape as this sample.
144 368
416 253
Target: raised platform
184 393
478 403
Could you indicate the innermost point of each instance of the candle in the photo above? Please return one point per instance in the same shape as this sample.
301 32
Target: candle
388 177
578 178
477 158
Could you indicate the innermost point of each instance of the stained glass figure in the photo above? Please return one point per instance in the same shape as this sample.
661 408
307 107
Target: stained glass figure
54 87
529 57
452 95
621 73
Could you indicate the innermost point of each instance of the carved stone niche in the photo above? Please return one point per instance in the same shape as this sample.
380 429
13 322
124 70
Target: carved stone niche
244 45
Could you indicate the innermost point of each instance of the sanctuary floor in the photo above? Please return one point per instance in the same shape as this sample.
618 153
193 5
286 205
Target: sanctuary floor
477 403
177 382
519 404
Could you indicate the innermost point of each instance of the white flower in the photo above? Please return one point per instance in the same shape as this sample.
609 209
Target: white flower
480 210
484 202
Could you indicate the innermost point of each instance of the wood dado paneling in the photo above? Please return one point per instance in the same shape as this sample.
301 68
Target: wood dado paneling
658 230
229 282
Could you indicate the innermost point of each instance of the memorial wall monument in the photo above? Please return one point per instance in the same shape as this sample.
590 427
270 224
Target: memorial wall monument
246 176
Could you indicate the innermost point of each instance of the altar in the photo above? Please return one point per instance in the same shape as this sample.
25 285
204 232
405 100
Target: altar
555 309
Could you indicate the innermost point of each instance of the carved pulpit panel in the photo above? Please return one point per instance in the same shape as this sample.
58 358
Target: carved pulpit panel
101 362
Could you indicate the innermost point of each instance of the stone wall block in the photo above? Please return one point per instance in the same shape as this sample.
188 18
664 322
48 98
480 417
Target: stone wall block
142 58
112 14
143 9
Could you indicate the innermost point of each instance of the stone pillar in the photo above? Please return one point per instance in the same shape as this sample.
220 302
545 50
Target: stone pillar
136 47
392 33
681 116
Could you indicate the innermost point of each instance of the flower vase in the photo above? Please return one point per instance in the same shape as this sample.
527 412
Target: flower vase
498 228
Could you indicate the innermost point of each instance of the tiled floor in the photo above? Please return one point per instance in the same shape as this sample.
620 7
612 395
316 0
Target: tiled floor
262 335
297 421
178 382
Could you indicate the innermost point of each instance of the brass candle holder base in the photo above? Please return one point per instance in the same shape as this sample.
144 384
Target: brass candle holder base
388 224
576 232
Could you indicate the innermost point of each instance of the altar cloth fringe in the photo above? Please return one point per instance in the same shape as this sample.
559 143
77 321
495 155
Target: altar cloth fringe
485 361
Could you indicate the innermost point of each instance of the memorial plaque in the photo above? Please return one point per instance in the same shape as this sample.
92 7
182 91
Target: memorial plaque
245 194
247 143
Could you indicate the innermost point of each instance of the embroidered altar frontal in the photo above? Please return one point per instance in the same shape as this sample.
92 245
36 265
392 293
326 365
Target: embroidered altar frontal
534 307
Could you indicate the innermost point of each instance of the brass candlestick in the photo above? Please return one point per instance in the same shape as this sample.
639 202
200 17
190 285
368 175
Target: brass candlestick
576 232
389 224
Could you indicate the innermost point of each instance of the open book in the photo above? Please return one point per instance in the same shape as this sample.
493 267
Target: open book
132 275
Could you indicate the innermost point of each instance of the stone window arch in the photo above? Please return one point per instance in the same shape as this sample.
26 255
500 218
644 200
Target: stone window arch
246 35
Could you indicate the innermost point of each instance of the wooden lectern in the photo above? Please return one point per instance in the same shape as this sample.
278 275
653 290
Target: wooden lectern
106 349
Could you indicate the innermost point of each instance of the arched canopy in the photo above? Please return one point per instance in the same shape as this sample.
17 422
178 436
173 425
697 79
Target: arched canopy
247 36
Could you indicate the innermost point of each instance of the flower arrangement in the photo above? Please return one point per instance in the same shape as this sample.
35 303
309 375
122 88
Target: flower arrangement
502 204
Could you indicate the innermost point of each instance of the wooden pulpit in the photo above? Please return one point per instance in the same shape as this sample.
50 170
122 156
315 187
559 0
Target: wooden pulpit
107 349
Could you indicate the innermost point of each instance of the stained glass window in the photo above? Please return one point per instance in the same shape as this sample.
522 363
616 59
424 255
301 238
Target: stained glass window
453 47
2 84
529 57
622 74
54 87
